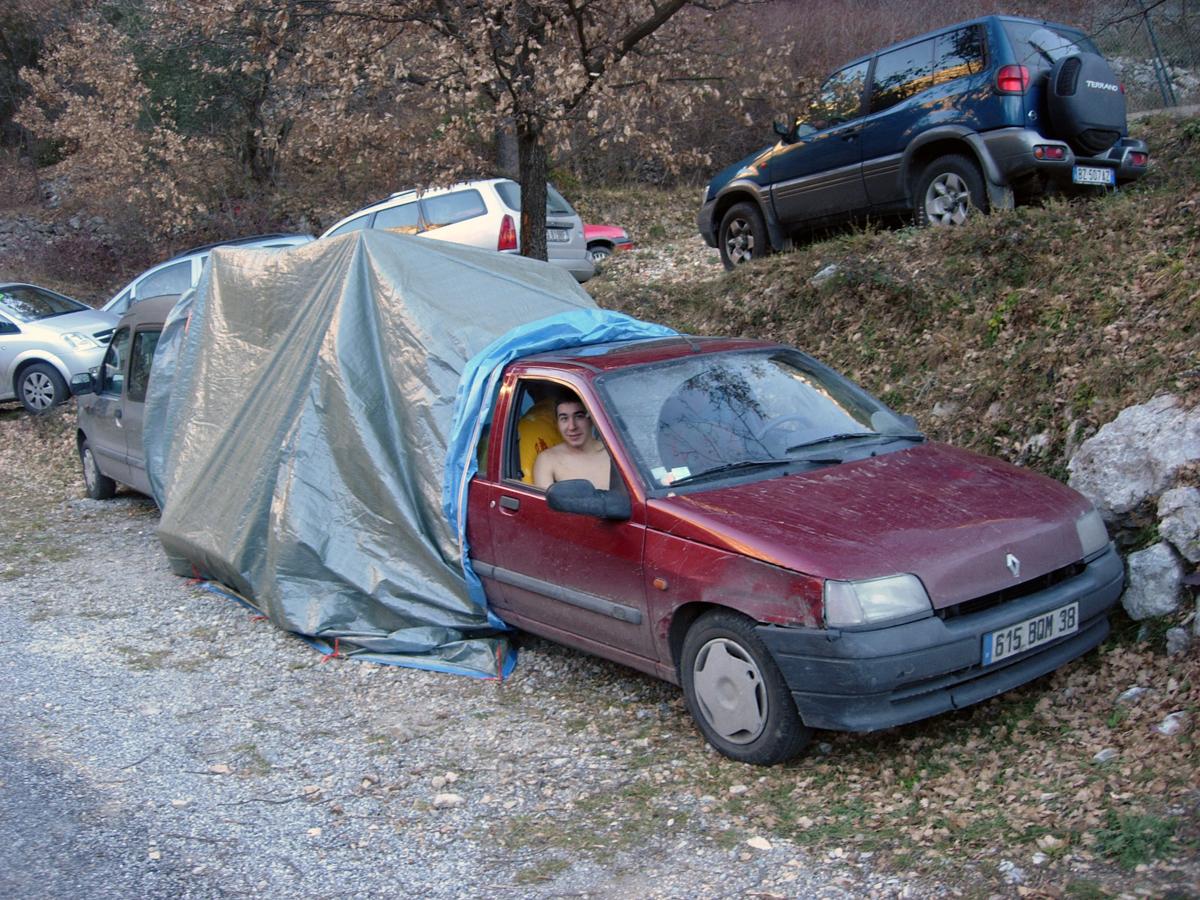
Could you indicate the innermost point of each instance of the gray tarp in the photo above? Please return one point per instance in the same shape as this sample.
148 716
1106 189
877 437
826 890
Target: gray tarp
297 425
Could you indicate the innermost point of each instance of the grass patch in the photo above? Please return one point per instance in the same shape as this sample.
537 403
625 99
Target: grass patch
543 871
1132 839
142 660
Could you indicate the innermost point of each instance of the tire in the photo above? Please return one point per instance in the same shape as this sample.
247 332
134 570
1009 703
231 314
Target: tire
736 694
98 485
1085 106
40 388
598 253
743 235
948 189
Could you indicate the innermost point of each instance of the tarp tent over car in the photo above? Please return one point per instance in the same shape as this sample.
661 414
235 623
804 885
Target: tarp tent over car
297 428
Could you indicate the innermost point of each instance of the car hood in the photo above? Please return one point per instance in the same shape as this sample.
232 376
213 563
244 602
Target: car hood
86 321
730 172
950 517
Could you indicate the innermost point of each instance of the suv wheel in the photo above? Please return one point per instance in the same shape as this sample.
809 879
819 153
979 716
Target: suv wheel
41 388
947 190
743 235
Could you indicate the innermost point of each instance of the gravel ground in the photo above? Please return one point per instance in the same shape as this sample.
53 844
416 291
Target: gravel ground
162 741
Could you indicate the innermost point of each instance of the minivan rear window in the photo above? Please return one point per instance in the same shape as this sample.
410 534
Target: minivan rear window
556 203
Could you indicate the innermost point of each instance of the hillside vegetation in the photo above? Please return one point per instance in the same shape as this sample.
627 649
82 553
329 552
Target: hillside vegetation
1018 334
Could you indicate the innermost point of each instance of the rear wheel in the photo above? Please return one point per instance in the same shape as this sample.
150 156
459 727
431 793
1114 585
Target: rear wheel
41 388
736 693
948 190
99 486
743 235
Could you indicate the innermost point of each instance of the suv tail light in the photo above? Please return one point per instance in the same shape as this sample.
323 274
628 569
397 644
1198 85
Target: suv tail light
508 234
1138 158
1012 79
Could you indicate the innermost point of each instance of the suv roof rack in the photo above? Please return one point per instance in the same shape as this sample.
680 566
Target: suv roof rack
232 242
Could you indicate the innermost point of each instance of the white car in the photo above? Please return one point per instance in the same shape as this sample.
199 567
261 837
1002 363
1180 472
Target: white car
45 340
181 272
485 214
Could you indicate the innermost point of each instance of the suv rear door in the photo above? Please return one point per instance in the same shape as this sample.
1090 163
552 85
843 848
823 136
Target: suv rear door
820 175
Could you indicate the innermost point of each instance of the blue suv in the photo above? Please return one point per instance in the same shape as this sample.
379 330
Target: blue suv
977 115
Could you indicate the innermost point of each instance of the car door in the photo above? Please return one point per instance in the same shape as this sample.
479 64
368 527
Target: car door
10 346
133 403
820 175
104 410
572 578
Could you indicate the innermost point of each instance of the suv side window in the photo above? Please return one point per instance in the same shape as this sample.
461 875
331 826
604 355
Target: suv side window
957 53
112 370
899 74
169 280
447 209
840 98
144 343
405 218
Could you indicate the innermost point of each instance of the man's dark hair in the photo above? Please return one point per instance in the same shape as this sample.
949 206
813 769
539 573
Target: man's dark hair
565 395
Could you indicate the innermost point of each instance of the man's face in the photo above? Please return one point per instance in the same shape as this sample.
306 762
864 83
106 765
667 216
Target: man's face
573 423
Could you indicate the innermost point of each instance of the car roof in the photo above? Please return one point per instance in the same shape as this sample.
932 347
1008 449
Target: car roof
252 240
405 194
152 309
599 358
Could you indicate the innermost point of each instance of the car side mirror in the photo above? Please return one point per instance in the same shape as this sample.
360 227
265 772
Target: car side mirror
787 133
578 495
83 383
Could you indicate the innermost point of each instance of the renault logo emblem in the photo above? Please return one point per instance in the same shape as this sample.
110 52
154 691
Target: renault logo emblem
1014 565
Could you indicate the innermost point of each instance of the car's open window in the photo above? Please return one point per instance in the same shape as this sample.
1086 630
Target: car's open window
840 98
353 225
112 370
173 279
457 206
532 429
901 73
404 219
141 357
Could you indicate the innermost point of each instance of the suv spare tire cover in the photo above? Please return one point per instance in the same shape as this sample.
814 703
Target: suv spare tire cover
1086 103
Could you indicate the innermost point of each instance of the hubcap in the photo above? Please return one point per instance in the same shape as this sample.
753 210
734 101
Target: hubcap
730 691
89 469
947 201
739 241
38 390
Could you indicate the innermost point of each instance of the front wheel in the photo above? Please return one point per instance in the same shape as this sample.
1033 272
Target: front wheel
743 235
41 388
599 252
736 693
948 190
99 486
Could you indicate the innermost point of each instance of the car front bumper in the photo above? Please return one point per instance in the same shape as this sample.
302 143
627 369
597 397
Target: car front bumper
868 680
706 224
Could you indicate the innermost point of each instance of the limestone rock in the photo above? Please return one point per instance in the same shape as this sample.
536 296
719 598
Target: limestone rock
1133 458
1154 584
1179 521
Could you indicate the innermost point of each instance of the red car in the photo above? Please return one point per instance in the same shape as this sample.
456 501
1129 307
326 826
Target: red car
605 240
781 544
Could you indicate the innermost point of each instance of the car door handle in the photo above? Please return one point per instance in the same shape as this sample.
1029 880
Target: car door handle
117 414
510 503
850 134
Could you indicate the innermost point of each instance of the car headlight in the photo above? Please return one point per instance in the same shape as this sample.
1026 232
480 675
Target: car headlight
849 603
77 341
1093 536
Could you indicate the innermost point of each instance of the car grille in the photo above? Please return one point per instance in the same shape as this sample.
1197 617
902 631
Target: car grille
987 601
103 336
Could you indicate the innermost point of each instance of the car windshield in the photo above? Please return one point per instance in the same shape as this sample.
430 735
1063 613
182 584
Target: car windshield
556 203
742 411
30 304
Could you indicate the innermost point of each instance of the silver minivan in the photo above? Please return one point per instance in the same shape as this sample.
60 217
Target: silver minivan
45 339
484 214
112 400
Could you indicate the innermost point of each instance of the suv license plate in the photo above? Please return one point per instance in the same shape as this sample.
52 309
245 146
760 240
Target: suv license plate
1093 175
558 235
1034 632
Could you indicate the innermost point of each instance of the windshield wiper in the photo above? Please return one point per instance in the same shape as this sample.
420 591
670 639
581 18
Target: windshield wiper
726 468
857 435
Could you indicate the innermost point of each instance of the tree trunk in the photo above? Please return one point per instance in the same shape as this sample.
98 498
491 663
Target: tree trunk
533 187
508 158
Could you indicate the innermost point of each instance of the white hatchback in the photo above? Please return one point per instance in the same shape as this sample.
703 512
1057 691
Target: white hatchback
485 214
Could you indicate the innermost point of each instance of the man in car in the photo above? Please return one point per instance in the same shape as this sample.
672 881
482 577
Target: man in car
580 455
